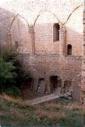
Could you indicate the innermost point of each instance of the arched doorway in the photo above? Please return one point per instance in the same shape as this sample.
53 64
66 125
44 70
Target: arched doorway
55 83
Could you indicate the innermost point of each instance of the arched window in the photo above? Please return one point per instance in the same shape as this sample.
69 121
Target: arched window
69 49
56 28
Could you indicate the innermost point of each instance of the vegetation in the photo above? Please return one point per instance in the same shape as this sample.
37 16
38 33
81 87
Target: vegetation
60 113
7 73
8 77
12 75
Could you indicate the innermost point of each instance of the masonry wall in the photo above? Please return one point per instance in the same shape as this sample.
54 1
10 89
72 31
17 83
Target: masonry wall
20 33
38 53
45 66
75 31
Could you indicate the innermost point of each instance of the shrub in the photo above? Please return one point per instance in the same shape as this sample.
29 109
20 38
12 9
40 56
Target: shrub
12 74
7 73
14 91
22 76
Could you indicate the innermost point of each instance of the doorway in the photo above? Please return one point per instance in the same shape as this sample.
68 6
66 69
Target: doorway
54 83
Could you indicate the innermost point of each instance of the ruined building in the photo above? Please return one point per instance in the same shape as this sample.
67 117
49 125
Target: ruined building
48 36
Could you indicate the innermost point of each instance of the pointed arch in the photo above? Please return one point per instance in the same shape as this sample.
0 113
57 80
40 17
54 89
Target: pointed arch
69 16
43 11
11 24
14 18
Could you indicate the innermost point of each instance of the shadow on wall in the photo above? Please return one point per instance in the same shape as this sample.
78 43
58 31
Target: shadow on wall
14 30
5 21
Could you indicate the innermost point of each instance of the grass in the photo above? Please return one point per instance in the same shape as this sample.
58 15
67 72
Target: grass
50 114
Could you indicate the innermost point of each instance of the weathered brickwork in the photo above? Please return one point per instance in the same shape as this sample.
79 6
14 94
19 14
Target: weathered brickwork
31 32
45 66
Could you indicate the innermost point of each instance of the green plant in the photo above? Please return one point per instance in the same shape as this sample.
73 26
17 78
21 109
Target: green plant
12 74
22 76
7 73
14 91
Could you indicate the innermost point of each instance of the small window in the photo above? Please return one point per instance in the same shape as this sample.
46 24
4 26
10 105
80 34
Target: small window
56 28
69 49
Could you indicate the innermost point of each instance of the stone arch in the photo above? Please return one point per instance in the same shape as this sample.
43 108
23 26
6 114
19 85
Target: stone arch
45 36
74 28
43 11
15 18
74 10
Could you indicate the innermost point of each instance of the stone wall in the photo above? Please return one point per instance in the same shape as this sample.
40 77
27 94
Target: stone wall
45 66
31 33
39 38
17 25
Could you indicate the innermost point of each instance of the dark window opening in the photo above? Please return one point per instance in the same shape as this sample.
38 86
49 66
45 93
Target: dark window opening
69 49
56 28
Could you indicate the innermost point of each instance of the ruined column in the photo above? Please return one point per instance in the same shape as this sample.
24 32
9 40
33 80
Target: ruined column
48 84
62 46
32 32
